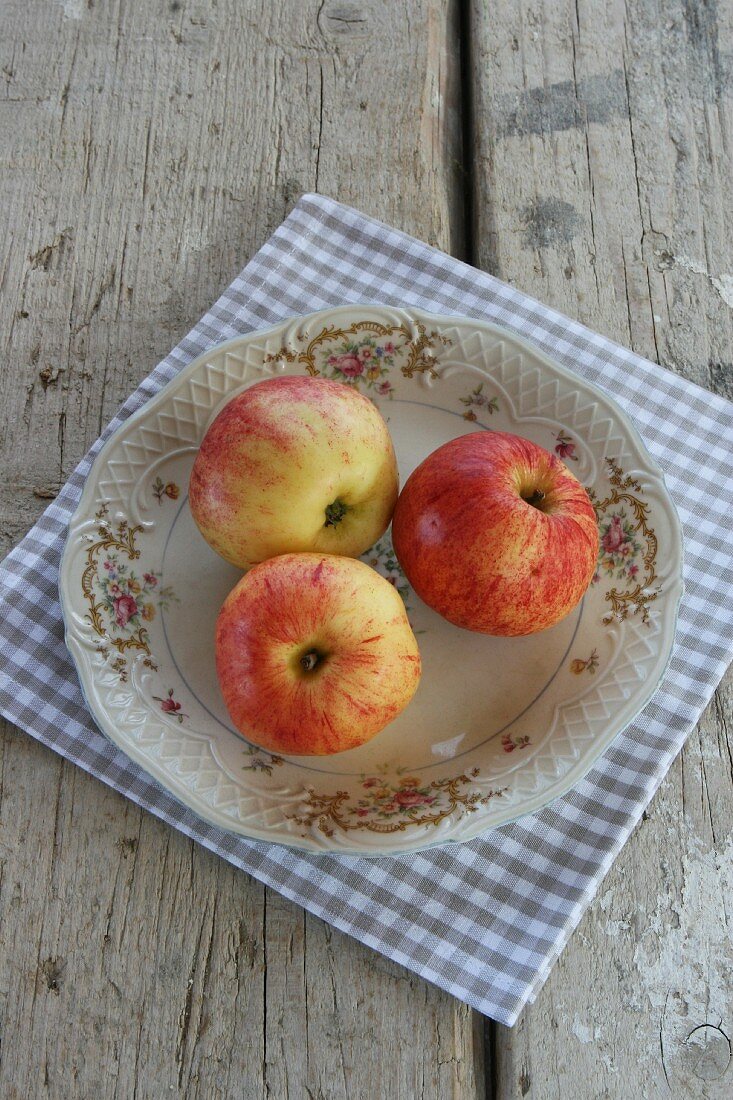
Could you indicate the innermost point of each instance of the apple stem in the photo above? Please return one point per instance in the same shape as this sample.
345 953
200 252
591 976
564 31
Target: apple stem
535 499
335 512
309 660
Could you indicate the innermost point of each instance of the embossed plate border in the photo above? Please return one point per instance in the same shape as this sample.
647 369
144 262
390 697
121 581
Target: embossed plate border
468 812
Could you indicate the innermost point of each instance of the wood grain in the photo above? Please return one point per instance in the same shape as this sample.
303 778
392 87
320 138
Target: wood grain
149 148
603 137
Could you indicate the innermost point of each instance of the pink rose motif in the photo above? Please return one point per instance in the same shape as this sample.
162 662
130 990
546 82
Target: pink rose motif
371 782
332 359
632 570
170 706
384 388
365 353
596 577
151 579
409 798
125 608
350 365
614 536
389 349
108 565
565 450
362 813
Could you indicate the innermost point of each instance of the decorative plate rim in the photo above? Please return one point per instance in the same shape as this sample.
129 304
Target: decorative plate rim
476 825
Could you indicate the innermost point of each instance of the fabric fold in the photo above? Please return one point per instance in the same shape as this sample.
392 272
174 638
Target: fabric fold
484 920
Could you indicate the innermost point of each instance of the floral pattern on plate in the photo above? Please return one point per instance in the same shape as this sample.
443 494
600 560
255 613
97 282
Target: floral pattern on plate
565 446
383 558
259 760
387 806
165 489
477 399
628 547
451 776
509 743
364 354
587 664
363 361
170 706
121 600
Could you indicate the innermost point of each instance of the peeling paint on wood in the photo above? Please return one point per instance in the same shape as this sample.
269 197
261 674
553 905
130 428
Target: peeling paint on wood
639 1004
597 168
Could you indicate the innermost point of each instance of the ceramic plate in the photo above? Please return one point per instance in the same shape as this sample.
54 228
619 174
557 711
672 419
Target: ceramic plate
499 727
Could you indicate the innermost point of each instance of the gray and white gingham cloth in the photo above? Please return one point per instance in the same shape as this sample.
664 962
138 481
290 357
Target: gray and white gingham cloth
484 920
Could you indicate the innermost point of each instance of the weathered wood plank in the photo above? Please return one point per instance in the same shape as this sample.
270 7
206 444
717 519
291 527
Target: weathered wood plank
148 149
602 186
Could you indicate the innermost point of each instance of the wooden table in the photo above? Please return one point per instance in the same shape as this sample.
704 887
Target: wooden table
580 150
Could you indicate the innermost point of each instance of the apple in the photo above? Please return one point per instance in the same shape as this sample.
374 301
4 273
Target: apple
294 464
496 534
314 654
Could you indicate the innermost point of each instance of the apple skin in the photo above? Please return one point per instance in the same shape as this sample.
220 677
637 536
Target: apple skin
474 548
282 452
334 612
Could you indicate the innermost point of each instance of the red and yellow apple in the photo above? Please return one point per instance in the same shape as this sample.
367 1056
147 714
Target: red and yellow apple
496 534
314 654
294 464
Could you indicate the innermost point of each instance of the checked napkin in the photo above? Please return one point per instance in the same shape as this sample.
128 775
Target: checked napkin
484 920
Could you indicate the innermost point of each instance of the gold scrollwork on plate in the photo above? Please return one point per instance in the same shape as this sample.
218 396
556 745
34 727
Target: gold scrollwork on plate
628 547
386 806
365 353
